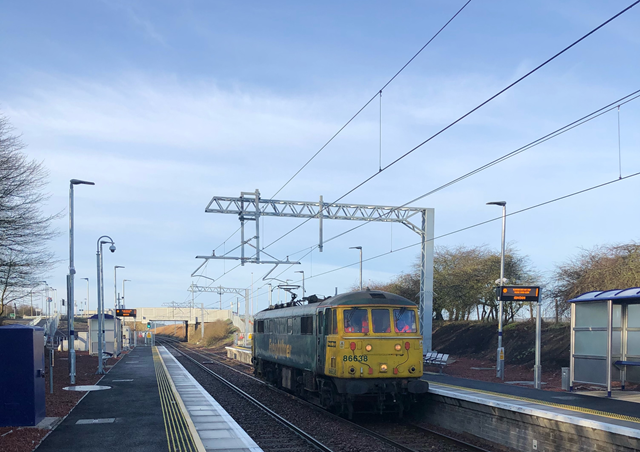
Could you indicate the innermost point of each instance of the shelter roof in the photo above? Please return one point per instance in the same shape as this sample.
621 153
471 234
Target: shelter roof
618 296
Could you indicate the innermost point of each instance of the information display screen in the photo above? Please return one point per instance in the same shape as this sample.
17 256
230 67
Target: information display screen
125 312
519 293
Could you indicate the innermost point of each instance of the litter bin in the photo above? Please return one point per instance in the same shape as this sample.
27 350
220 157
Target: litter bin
22 391
565 378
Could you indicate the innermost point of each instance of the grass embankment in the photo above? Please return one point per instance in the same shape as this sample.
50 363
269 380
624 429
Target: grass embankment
480 339
219 332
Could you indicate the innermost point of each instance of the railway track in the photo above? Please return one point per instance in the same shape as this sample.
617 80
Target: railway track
270 439
401 435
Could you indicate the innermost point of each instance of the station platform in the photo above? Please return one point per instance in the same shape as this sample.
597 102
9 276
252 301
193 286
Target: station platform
149 403
555 420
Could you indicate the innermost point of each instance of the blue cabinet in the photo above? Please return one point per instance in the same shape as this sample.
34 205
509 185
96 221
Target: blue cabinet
22 390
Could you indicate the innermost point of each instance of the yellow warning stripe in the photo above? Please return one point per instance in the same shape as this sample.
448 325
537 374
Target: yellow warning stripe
620 417
192 428
179 438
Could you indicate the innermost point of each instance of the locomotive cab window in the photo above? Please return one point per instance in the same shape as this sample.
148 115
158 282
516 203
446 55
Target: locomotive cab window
380 319
356 321
289 326
260 326
404 321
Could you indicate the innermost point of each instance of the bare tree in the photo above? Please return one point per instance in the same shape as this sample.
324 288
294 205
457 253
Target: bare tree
601 268
24 229
464 282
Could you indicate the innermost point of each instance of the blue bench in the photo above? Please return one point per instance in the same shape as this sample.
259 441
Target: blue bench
627 363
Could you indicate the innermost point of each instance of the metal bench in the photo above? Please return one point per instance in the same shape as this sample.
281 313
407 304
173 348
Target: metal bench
627 363
436 359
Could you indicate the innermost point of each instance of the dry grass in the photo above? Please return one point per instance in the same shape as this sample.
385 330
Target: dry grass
215 333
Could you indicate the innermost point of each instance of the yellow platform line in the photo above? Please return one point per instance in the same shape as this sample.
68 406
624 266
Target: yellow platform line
620 417
181 433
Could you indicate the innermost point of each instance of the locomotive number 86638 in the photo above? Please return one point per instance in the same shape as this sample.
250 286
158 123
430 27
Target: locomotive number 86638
358 351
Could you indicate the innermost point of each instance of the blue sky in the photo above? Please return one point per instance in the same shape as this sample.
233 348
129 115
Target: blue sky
166 104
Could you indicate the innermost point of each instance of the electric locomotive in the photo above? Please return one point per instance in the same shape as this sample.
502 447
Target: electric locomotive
356 351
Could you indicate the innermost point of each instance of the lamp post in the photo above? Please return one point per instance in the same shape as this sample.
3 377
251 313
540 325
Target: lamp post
359 248
87 306
500 354
115 288
72 272
100 285
303 291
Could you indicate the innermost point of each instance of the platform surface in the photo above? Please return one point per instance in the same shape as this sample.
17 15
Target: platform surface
608 414
126 417
154 404
216 429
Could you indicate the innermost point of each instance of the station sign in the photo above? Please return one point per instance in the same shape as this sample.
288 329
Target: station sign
125 312
519 293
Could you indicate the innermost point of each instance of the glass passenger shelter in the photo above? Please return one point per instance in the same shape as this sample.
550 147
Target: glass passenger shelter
605 338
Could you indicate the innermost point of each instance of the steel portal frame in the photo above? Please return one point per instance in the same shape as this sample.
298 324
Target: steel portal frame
222 290
250 207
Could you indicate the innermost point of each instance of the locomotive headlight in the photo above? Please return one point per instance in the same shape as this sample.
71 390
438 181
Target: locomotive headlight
352 370
383 367
398 347
368 348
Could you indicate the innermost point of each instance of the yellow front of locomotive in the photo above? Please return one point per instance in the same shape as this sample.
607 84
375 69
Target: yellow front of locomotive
374 341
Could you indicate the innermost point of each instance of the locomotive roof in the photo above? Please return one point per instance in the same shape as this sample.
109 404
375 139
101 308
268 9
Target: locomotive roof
359 298
366 297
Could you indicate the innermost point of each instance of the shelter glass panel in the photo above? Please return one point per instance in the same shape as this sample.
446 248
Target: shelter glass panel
633 343
590 370
633 316
591 343
591 314
617 315
616 342
633 374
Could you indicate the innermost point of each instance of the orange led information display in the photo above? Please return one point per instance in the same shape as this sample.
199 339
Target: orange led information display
125 312
519 293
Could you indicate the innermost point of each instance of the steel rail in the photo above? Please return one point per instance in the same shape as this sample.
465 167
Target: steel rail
369 432
310 439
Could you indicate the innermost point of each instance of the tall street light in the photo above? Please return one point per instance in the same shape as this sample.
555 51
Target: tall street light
500 357
303 291
87 305
100 284
115 288
72 272
359 248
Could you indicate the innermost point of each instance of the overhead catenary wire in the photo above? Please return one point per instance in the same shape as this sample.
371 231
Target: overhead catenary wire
481 223
583 120
451 124
578 122
502 91
470 112
370 100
